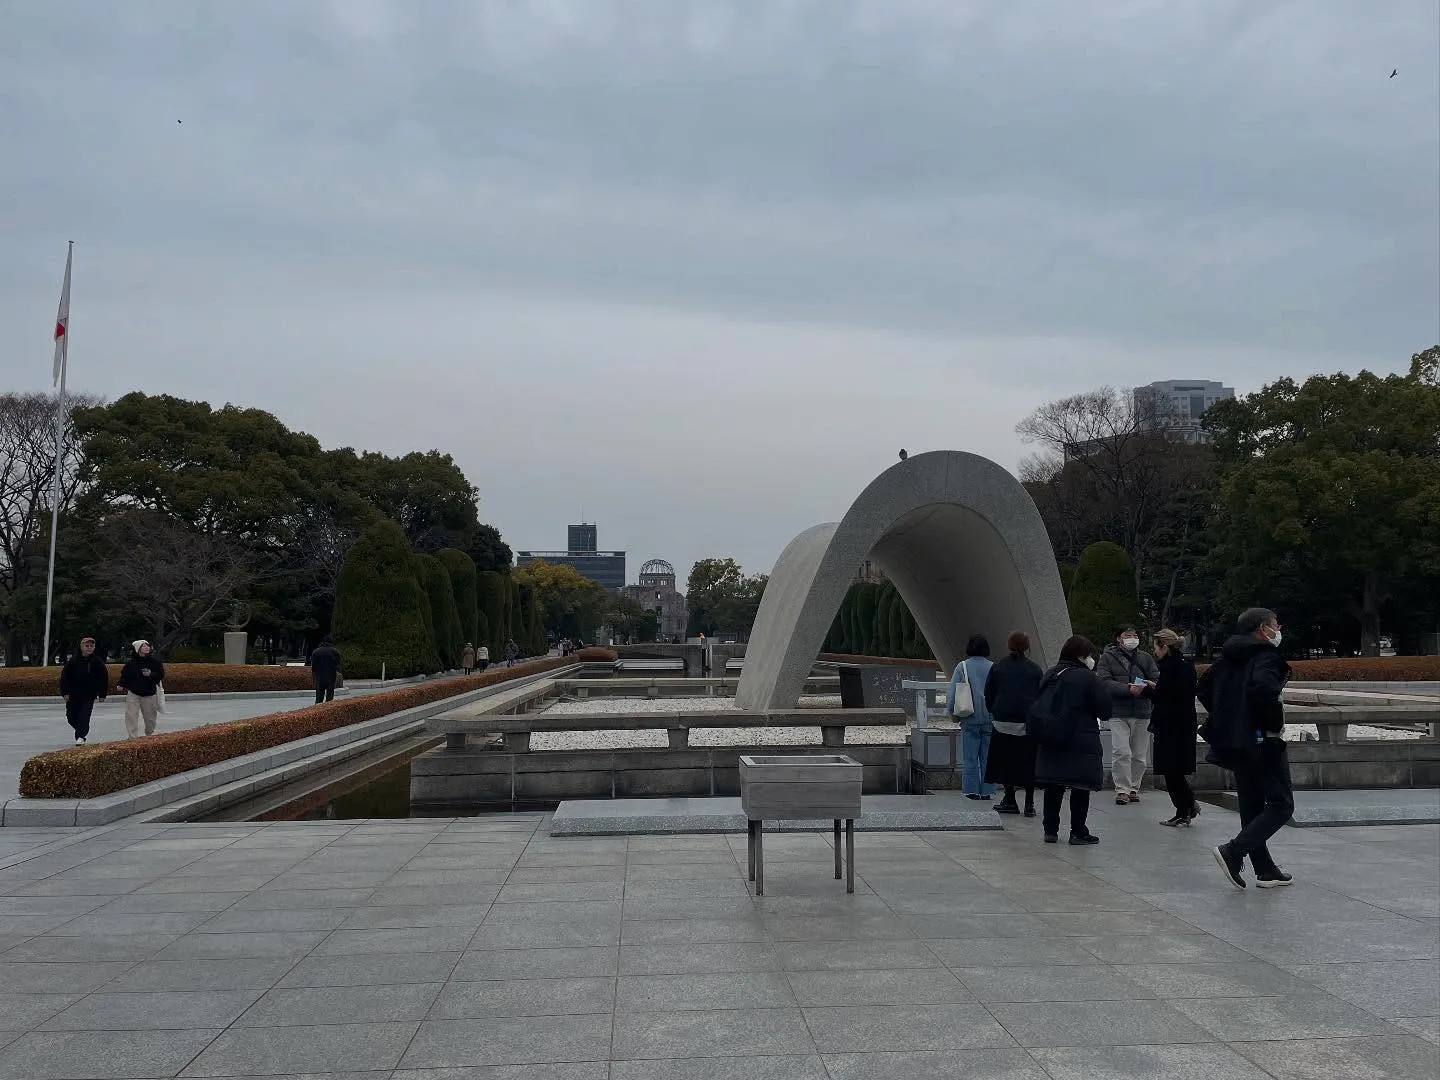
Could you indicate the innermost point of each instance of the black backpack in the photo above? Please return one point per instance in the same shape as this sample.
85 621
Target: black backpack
1042 722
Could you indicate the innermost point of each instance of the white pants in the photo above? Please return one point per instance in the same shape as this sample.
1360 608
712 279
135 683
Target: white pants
135 708
1129 752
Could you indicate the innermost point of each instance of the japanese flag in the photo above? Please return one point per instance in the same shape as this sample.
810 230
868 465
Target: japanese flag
62 320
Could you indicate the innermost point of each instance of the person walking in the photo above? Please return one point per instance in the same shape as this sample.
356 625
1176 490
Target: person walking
1172 726
1010 691
972 673
1065 724
1129 674
482 657
84 680
1245 728
141 678
467 658
512 653
325 669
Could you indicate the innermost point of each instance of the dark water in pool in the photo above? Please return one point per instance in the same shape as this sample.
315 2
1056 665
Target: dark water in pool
382 795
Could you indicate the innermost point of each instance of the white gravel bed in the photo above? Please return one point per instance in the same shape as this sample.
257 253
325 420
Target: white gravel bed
699 737
1293 732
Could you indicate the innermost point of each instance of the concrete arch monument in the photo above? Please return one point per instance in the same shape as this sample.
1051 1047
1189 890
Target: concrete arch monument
962 542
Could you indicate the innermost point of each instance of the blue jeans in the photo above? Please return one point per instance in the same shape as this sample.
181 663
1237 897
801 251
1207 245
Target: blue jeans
974 749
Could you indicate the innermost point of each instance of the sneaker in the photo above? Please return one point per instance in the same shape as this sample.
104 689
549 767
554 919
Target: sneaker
1134 796
1231 864
1052 838
1120 799
1006 807
1273 880
1079 839
1176 821
80 741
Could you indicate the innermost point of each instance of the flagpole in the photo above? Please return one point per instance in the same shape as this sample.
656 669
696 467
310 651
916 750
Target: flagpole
59 449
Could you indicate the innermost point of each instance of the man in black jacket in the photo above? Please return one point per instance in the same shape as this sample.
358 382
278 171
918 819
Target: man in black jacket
325 667
83 681
1245 729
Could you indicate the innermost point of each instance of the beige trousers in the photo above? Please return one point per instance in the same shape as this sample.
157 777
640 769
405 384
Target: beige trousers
1129 752
135 708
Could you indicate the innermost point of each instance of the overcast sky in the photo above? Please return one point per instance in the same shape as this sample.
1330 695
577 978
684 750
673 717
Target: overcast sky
702 268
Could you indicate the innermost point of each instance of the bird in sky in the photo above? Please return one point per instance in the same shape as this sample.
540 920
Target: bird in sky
179 121
1394 73
903 455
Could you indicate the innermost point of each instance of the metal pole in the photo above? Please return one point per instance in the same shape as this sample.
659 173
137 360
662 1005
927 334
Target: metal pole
55 487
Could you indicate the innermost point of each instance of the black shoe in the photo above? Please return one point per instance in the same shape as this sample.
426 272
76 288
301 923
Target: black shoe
972 798
1231 864
1006 807
985 798
1029 811
1052 838
1273 880
1080 839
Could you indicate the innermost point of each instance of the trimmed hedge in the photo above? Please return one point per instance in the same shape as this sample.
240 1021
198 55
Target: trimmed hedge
382 613
1102 594
179 679
87 772
1368 669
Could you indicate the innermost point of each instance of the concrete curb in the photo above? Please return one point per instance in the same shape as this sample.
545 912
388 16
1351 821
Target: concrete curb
246 775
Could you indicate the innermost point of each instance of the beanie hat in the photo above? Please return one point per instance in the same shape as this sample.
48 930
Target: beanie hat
136 644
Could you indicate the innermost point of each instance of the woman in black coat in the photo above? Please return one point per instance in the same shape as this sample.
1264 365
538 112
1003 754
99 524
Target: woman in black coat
1172 724
1011 689
1066 724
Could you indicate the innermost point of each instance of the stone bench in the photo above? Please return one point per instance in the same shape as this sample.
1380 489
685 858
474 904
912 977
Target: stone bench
659 664
518 729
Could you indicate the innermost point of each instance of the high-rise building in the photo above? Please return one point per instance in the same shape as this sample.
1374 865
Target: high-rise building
605 568
582 537
1176 405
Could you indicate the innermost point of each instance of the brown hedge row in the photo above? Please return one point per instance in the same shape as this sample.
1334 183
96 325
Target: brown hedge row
86 772
179 679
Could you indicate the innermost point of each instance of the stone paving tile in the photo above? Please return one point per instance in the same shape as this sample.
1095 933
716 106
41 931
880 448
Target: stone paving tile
1055 982
153 1011
1395 1057
243 974
1187 1061
1009 952
693 959
1252 979
714 992
1390 988
1266 1018
968 1064
795 1067
262 1050
199 946
326 1005
733 1033
481 964
1096 1023
905 986
100 1055
694 931
1427 1027
855 1029
509 1040
575 1070
524 997
21 1012
371 969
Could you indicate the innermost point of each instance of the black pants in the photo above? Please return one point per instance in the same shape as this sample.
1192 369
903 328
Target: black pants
324 693
1267 800
1178 788
1079 809
77 715
1010 794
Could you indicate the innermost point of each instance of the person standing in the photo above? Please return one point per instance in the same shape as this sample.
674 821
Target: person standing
975 729
1010 691
482 657
84 680
512 653
140 678
1172 726
1129 674
1065 722
467 658
1245 728
325 668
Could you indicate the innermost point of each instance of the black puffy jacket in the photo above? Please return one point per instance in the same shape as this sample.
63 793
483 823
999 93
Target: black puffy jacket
1012 687
1065 720
1242 695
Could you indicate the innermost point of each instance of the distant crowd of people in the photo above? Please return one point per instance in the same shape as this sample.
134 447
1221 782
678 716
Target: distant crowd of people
1023 728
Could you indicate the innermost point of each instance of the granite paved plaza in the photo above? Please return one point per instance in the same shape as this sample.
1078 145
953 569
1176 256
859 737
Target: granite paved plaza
483 948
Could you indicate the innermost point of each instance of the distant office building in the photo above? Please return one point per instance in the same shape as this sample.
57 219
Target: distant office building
1175 406
582 537
605 568
656 592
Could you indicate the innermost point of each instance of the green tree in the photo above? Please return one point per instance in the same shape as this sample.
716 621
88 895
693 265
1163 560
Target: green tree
721 598
427 494
445 620
490 593
1103 595
461 569
570 604
380 608
1338 479
489 551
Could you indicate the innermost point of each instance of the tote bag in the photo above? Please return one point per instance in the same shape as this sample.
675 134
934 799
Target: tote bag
964 699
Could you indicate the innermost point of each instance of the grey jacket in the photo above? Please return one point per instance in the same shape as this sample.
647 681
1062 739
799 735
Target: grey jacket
1117 669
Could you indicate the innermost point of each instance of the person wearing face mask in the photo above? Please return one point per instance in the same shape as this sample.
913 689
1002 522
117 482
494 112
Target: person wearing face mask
1172 726
1129 674
140 678
1064 721
1245 728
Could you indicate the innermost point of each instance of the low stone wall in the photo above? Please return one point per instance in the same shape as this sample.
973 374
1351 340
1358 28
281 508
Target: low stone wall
445 779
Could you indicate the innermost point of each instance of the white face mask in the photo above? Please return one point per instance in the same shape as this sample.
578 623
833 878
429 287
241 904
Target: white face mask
1276 637
1130 643
1090 662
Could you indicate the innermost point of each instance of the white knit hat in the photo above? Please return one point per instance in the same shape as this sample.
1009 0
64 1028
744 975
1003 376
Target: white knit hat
136 644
